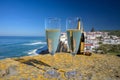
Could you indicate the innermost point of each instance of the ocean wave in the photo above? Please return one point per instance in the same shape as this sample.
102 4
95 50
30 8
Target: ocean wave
35 51
32 52
35 43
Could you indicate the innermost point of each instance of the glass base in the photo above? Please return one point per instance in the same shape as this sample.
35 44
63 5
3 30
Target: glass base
51 74
71 74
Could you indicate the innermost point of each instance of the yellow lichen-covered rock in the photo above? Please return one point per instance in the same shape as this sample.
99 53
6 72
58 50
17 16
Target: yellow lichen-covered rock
94 67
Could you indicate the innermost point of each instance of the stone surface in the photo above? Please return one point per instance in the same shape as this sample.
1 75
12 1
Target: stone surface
94 67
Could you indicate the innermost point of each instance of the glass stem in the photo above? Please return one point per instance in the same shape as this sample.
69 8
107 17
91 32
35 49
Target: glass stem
52 63
73 62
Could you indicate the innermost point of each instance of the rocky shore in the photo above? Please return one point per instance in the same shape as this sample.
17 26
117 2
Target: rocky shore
94 67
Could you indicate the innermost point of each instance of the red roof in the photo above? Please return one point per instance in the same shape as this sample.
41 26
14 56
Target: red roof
88 44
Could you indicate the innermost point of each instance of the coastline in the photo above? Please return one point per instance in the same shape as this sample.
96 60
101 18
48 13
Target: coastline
95 67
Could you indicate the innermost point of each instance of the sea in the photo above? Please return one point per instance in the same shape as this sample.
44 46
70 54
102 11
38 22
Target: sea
19 46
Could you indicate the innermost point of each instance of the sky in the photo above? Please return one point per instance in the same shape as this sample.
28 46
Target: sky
27 17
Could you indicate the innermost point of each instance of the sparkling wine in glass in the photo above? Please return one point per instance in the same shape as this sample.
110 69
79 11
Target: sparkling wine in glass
73 37
52 27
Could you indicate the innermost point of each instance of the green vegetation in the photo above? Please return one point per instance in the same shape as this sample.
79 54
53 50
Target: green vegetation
110 48
116 32
100 43
113 32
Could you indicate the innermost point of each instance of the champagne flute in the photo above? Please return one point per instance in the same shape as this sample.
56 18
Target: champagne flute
73 37
52 27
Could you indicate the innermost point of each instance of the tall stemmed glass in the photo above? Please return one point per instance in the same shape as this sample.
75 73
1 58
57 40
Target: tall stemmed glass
52 27
73 37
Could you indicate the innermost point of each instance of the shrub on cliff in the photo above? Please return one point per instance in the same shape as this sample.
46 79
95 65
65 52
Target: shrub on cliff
109 48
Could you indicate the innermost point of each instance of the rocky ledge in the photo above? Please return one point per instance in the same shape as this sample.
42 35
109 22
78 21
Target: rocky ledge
94 67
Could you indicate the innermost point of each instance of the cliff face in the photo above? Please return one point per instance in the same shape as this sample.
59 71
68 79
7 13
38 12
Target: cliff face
94 67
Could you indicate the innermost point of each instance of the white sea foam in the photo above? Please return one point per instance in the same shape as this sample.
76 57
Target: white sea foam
34 51
35 43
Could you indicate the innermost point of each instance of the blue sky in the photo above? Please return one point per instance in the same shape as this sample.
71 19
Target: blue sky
26 17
